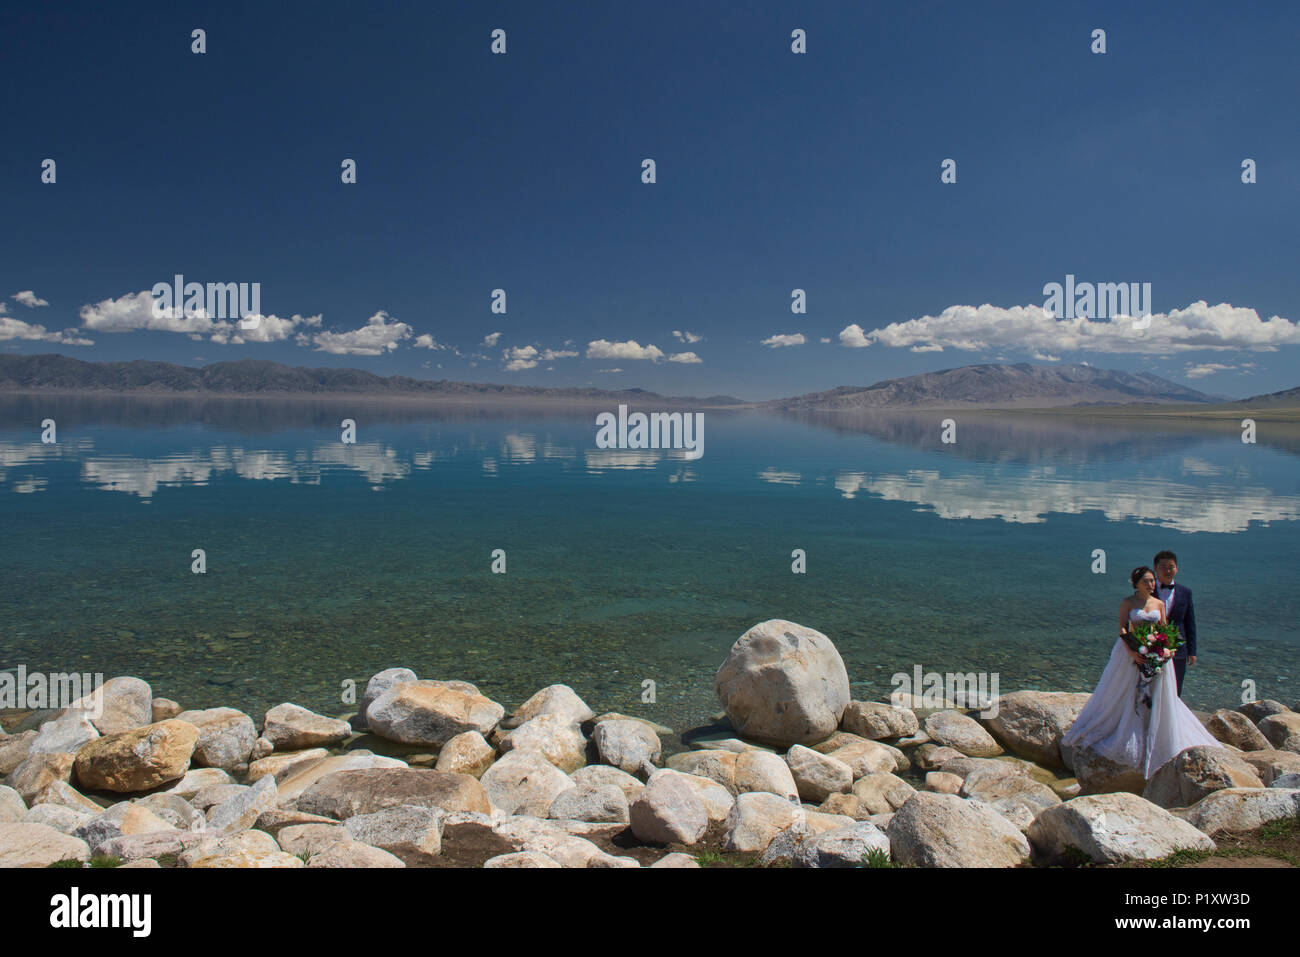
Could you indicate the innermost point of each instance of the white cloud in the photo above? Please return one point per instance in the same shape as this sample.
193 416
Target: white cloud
269 329
688 337
784 339
853 337
1034 329
376 337
520 357
604 349
134 312
491 339
32 332
686 357
1207 368
825 339
427 341
558 354
609 370
29 299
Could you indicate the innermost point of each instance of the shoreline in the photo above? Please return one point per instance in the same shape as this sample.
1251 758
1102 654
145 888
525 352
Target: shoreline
431 773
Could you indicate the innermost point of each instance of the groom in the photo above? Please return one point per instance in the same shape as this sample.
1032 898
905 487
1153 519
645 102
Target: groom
1178 609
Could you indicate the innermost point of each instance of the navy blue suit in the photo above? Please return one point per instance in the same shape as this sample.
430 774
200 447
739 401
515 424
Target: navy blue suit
1180 611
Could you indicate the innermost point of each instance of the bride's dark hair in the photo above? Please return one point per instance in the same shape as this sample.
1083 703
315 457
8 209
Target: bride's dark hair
1138 574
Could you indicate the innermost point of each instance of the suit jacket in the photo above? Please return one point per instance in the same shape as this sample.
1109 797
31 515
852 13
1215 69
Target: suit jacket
1182 613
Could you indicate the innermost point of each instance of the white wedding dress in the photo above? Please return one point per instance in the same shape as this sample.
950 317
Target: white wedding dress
1118 725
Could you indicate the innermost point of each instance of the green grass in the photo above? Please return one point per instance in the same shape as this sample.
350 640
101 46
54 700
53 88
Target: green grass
877 858
106 860
67 862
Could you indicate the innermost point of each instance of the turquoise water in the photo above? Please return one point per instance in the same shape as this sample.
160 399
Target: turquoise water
327 562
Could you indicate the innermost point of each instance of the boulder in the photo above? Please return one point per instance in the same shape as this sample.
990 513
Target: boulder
242 810
668 810
844 846
1282 730
605 803
1195 772
932 757
28 844
292 728
1234 728
377 685
467 753
1259 710
718 801
134 847
873 720
14 750
1112 829
1241 809
520 859
12 806
559 700
137 760
943 830
277 819
118 821
941 782
882 793
65 795
282 767
37 772
119 704
197 780
676 859
524 782
1271 764
65 820
628 745
64 734
756 818
847 805
430 713
764 771
1032 723
293 786
1291 781
304 840
867 757
817 776
163 708
599 774
1100 775
1017 797
955 730
243 849
226 738
783 684
413 834
175 810
716 765
353 854
343 794
554 736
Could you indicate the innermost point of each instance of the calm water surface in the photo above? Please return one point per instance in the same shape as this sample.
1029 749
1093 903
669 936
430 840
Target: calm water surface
328 562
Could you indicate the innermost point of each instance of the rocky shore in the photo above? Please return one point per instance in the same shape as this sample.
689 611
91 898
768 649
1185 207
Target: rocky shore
431 773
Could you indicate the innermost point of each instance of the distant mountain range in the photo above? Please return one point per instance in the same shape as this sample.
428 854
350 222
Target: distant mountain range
56 373
1021 385
994 386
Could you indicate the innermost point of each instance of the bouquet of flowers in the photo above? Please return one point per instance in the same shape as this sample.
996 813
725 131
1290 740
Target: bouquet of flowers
1156 642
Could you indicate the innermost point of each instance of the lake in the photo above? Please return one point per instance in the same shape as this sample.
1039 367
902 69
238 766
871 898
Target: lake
327 562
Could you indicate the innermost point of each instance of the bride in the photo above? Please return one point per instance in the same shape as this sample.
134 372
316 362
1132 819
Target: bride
1136 723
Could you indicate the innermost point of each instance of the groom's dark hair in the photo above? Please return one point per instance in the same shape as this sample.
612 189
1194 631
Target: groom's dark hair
1161 556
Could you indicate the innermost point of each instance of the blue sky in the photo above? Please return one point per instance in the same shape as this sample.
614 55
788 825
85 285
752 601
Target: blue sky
775 171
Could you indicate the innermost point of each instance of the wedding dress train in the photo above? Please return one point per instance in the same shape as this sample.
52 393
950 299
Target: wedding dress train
1118 725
